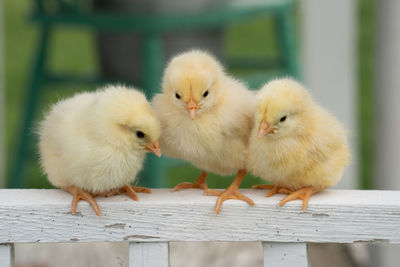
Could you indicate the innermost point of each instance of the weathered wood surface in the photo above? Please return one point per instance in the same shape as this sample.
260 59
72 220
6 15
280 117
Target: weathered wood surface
337 216
149 254
6 255
285 254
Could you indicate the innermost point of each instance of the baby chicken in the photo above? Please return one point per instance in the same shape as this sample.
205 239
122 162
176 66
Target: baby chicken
295 143
206 118
94 143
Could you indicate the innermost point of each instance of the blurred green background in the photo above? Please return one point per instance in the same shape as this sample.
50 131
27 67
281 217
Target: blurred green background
74 51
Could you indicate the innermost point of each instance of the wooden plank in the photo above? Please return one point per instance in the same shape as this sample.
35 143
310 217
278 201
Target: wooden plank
149 254
285 254
338 216
6 255
329 64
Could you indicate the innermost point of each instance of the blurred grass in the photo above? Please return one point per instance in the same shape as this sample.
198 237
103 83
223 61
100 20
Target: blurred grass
74 51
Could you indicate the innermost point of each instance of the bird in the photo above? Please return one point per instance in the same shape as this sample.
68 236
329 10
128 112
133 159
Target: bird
94 143
295 143
206 118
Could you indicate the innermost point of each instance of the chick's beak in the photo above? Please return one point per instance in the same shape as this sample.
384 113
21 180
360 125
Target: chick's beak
264 128
192 108
154 148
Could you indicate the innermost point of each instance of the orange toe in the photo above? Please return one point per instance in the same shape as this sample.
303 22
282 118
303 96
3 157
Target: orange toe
230 193
130 190
263 186
186 185
213 192
141 189
80 194
199 183
303 194
275 189
278 190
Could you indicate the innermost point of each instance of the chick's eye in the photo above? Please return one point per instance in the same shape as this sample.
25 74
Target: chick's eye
177 96
205 93
139 134
283 119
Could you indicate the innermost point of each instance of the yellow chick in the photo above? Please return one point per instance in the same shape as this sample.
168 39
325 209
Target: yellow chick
94 143
206 118
295 143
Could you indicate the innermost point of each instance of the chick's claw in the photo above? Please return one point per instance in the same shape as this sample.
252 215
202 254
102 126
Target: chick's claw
139 189
213 192
186 185
275 189
131 190
80 194
303 194
263 186
199 183
231 194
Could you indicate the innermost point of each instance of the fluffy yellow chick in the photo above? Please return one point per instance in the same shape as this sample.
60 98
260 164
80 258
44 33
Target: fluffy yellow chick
206 118
295 143
95 143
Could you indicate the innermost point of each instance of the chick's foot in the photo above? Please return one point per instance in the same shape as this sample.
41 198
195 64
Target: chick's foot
199 183
303 194
232 192
275 189
130 190
80 194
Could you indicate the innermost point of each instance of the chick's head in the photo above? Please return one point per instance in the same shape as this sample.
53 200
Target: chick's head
283 108
129 119
191 82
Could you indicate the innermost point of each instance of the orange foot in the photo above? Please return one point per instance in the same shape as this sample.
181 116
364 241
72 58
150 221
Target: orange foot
80 194
232 192
303 194
130 190
199 183
275 189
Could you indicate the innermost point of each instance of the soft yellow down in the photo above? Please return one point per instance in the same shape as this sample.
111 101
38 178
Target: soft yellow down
309 148
216 139
89 140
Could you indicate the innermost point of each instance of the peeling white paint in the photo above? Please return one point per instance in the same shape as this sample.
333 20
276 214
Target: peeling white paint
337 216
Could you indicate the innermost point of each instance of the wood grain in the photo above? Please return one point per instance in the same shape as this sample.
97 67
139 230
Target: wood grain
337 216
6 255
285 254
149 254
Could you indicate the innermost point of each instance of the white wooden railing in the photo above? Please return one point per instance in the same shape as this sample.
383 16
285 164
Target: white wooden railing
333 216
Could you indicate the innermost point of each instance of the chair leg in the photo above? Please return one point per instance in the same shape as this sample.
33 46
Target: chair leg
152 61
287 40
31 102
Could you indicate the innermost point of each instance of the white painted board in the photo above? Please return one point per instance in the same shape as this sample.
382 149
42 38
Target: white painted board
6 255
338 216
148 254
285 254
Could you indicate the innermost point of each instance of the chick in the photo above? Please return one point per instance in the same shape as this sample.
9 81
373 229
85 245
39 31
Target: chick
95 143
295 143
206 118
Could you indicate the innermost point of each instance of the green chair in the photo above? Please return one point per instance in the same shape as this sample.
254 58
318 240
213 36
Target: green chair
51 14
